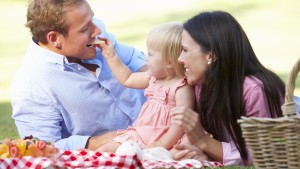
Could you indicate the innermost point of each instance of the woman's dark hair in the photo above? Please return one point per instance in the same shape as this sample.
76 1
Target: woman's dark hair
221 100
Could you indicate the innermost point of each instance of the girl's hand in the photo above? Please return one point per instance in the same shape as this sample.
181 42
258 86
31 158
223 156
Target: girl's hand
107 48
189 121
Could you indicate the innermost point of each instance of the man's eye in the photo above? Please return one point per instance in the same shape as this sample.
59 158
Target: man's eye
84 29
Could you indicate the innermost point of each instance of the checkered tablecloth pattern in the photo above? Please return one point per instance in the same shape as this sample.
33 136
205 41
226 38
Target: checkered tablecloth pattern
97 160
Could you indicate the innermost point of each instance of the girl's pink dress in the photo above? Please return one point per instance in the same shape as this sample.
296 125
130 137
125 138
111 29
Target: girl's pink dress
154 119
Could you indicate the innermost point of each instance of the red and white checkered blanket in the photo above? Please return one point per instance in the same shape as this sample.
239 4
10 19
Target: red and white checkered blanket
93 160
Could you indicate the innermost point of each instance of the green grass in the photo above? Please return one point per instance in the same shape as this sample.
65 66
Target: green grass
7 125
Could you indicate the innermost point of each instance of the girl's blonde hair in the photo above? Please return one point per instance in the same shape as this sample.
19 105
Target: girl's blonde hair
166 38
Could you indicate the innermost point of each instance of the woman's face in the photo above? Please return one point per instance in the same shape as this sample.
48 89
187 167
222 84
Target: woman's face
194 60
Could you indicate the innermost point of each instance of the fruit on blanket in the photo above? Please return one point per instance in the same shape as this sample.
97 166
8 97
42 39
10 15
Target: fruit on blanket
29 146
41 144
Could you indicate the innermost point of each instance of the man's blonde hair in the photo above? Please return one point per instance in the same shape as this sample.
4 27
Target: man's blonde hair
44 16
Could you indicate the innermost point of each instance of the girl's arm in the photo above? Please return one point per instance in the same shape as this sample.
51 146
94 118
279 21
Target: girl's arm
122 73
184 96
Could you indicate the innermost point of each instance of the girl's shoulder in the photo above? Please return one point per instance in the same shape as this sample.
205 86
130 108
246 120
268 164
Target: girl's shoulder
179 82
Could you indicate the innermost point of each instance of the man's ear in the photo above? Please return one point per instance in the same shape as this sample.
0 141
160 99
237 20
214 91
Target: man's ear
53 39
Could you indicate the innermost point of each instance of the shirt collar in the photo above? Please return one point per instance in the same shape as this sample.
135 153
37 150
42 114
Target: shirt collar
48 55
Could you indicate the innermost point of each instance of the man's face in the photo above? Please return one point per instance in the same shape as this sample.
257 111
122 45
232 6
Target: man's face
81 32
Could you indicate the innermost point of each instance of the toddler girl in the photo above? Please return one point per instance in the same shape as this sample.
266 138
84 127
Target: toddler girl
164 84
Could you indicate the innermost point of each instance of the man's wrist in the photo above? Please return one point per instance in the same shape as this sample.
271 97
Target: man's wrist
87 143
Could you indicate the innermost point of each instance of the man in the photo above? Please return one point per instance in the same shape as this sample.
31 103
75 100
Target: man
64 90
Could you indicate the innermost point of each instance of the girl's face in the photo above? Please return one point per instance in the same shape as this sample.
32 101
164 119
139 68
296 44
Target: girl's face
156 64
194 60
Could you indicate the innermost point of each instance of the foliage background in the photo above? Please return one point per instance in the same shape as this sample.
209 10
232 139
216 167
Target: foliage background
273 28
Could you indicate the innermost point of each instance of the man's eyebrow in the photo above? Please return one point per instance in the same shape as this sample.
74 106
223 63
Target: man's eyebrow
87 24
90 20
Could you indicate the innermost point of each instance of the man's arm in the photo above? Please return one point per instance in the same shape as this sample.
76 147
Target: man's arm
95 142
143 69
37 117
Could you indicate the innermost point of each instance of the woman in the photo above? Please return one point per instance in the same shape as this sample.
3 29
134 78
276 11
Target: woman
230 82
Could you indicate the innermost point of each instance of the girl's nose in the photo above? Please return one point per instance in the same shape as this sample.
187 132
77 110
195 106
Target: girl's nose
180 59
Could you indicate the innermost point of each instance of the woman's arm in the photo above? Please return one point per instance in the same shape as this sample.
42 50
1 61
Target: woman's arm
189 120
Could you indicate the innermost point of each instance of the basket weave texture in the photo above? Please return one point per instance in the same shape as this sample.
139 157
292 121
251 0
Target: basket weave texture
275 143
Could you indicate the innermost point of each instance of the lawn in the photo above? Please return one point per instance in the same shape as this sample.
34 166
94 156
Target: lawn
272 27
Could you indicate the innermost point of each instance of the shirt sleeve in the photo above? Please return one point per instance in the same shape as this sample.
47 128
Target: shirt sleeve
38 117
231 155
72 142
256 106
130 56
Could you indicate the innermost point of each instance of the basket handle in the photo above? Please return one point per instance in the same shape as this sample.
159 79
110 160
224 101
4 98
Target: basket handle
289 107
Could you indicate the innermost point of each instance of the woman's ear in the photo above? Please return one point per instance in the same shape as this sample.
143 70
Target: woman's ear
211 58
53 39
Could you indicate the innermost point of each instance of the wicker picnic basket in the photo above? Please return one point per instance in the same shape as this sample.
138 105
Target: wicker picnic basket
275 143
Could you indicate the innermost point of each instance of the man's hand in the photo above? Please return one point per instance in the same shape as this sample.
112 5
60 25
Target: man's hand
95 142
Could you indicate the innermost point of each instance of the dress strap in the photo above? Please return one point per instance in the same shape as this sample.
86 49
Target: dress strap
179 83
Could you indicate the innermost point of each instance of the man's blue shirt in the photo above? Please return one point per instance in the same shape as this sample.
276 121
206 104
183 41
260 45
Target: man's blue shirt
53 99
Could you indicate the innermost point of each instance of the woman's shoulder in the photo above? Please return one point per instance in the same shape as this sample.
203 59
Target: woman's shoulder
251 83
254 98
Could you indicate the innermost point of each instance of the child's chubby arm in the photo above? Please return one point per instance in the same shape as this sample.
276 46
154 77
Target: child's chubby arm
122 73
184 96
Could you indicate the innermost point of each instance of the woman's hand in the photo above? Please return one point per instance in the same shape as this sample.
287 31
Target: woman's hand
189 121
188 151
